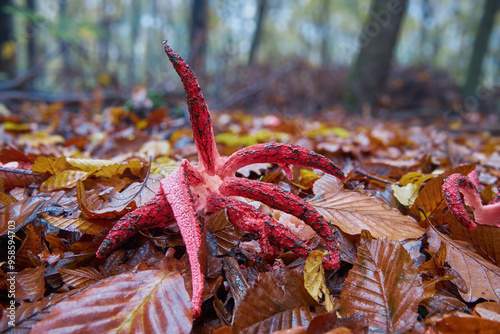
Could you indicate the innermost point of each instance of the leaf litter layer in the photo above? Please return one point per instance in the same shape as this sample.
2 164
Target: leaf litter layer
64 194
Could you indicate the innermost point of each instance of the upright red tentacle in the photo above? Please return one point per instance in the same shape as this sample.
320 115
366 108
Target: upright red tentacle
178 194
199 114
155 213
249 219
281 154
280 199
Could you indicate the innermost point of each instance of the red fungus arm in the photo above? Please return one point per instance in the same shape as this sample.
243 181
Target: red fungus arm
155 213
281 154
456 187
198 112
179 196
280 199
249 219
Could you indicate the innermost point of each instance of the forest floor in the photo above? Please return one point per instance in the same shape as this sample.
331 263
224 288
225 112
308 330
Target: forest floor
407 265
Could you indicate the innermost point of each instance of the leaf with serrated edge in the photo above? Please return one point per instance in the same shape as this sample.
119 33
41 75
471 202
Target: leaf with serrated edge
353 212
384 285
148 301
277 301
478 277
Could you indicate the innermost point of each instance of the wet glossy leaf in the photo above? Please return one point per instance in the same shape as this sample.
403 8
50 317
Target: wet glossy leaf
314 279
384 285
142 302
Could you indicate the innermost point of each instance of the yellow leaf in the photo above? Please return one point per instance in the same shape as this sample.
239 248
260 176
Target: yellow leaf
314 279
89 165
50 165
63 180
406 195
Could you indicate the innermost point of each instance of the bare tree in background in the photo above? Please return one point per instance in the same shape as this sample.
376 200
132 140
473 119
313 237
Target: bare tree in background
480 46
198 36
7 66
377 41
257 37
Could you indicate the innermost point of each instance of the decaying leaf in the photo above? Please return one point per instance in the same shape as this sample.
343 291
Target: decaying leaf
278 300
477 278
353 212
141 302
314 279
83 225
384 285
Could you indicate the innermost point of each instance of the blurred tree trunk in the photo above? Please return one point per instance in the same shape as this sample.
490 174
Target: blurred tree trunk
65 75
198 36
257 37
103 39
480 46
325 31
376 44
7 61
32 55
134 22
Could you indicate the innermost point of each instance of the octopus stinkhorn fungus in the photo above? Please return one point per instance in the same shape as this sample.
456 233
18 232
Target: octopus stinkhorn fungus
205 188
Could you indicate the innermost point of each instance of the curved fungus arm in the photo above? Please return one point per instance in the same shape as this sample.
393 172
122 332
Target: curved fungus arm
155 213
281 154
280 199
456 187
249 219
201 122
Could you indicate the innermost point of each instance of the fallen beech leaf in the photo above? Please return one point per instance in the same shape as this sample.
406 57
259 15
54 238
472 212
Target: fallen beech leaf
89 165
81 277
13 177
409 185
488 310
50 165
486 239
431 199
456 324
353 212
384 285
63 180
22 213
440 304
314 279
83 225
226 235
117 203
119 168
477 278
277 301
141 302
30 284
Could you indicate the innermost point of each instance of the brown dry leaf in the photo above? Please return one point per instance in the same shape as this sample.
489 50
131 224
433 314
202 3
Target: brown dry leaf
50 165
430 198
113 203
488 310
30 284
83 225
140 302
485 238
440 304
466 324
226 235
476 277
81 277
384 285
277 301
14 177
63 180
22 213
314 279
353 212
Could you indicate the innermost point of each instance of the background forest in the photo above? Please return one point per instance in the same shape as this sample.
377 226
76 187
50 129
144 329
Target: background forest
326 51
